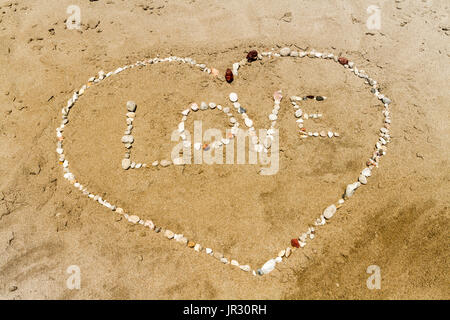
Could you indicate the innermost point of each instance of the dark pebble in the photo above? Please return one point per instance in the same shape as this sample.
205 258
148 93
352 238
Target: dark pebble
319 98
252 56
229 76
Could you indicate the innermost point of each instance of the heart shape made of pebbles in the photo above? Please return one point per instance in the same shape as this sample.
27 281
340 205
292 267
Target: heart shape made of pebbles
259 146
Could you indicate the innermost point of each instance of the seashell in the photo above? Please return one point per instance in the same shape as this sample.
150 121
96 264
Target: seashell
169 234
366 172
252 56
229 76
285 52
194 107
133 219
245 268
363 179
277 96
214 72
288 252
148 224
233 97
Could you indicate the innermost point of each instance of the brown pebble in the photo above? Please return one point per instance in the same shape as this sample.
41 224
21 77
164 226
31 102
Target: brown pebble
343 61
229 76
191 244
252 56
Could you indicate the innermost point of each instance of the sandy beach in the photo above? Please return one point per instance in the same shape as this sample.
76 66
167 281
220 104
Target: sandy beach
399 221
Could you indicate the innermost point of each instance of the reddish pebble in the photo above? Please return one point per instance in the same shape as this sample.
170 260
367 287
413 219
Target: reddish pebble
229 76
252 56
294 243
343 61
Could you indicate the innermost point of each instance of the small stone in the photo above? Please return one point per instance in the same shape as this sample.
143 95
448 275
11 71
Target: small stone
330 134
363 179
133 219
273 117
198 247
245 268
248 122
208 251
366 172
329 212
323 134
194 107
386 100
343 60
131 106
191 244
298 113
119 210
224 260
165 163
252 56
234 263
285 52
281 253
229 76
169 234
320 98
203 106
126 163
295 243
269 266
233 97
350 190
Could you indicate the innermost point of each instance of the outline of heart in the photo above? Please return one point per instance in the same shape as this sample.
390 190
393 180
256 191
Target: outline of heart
384 139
